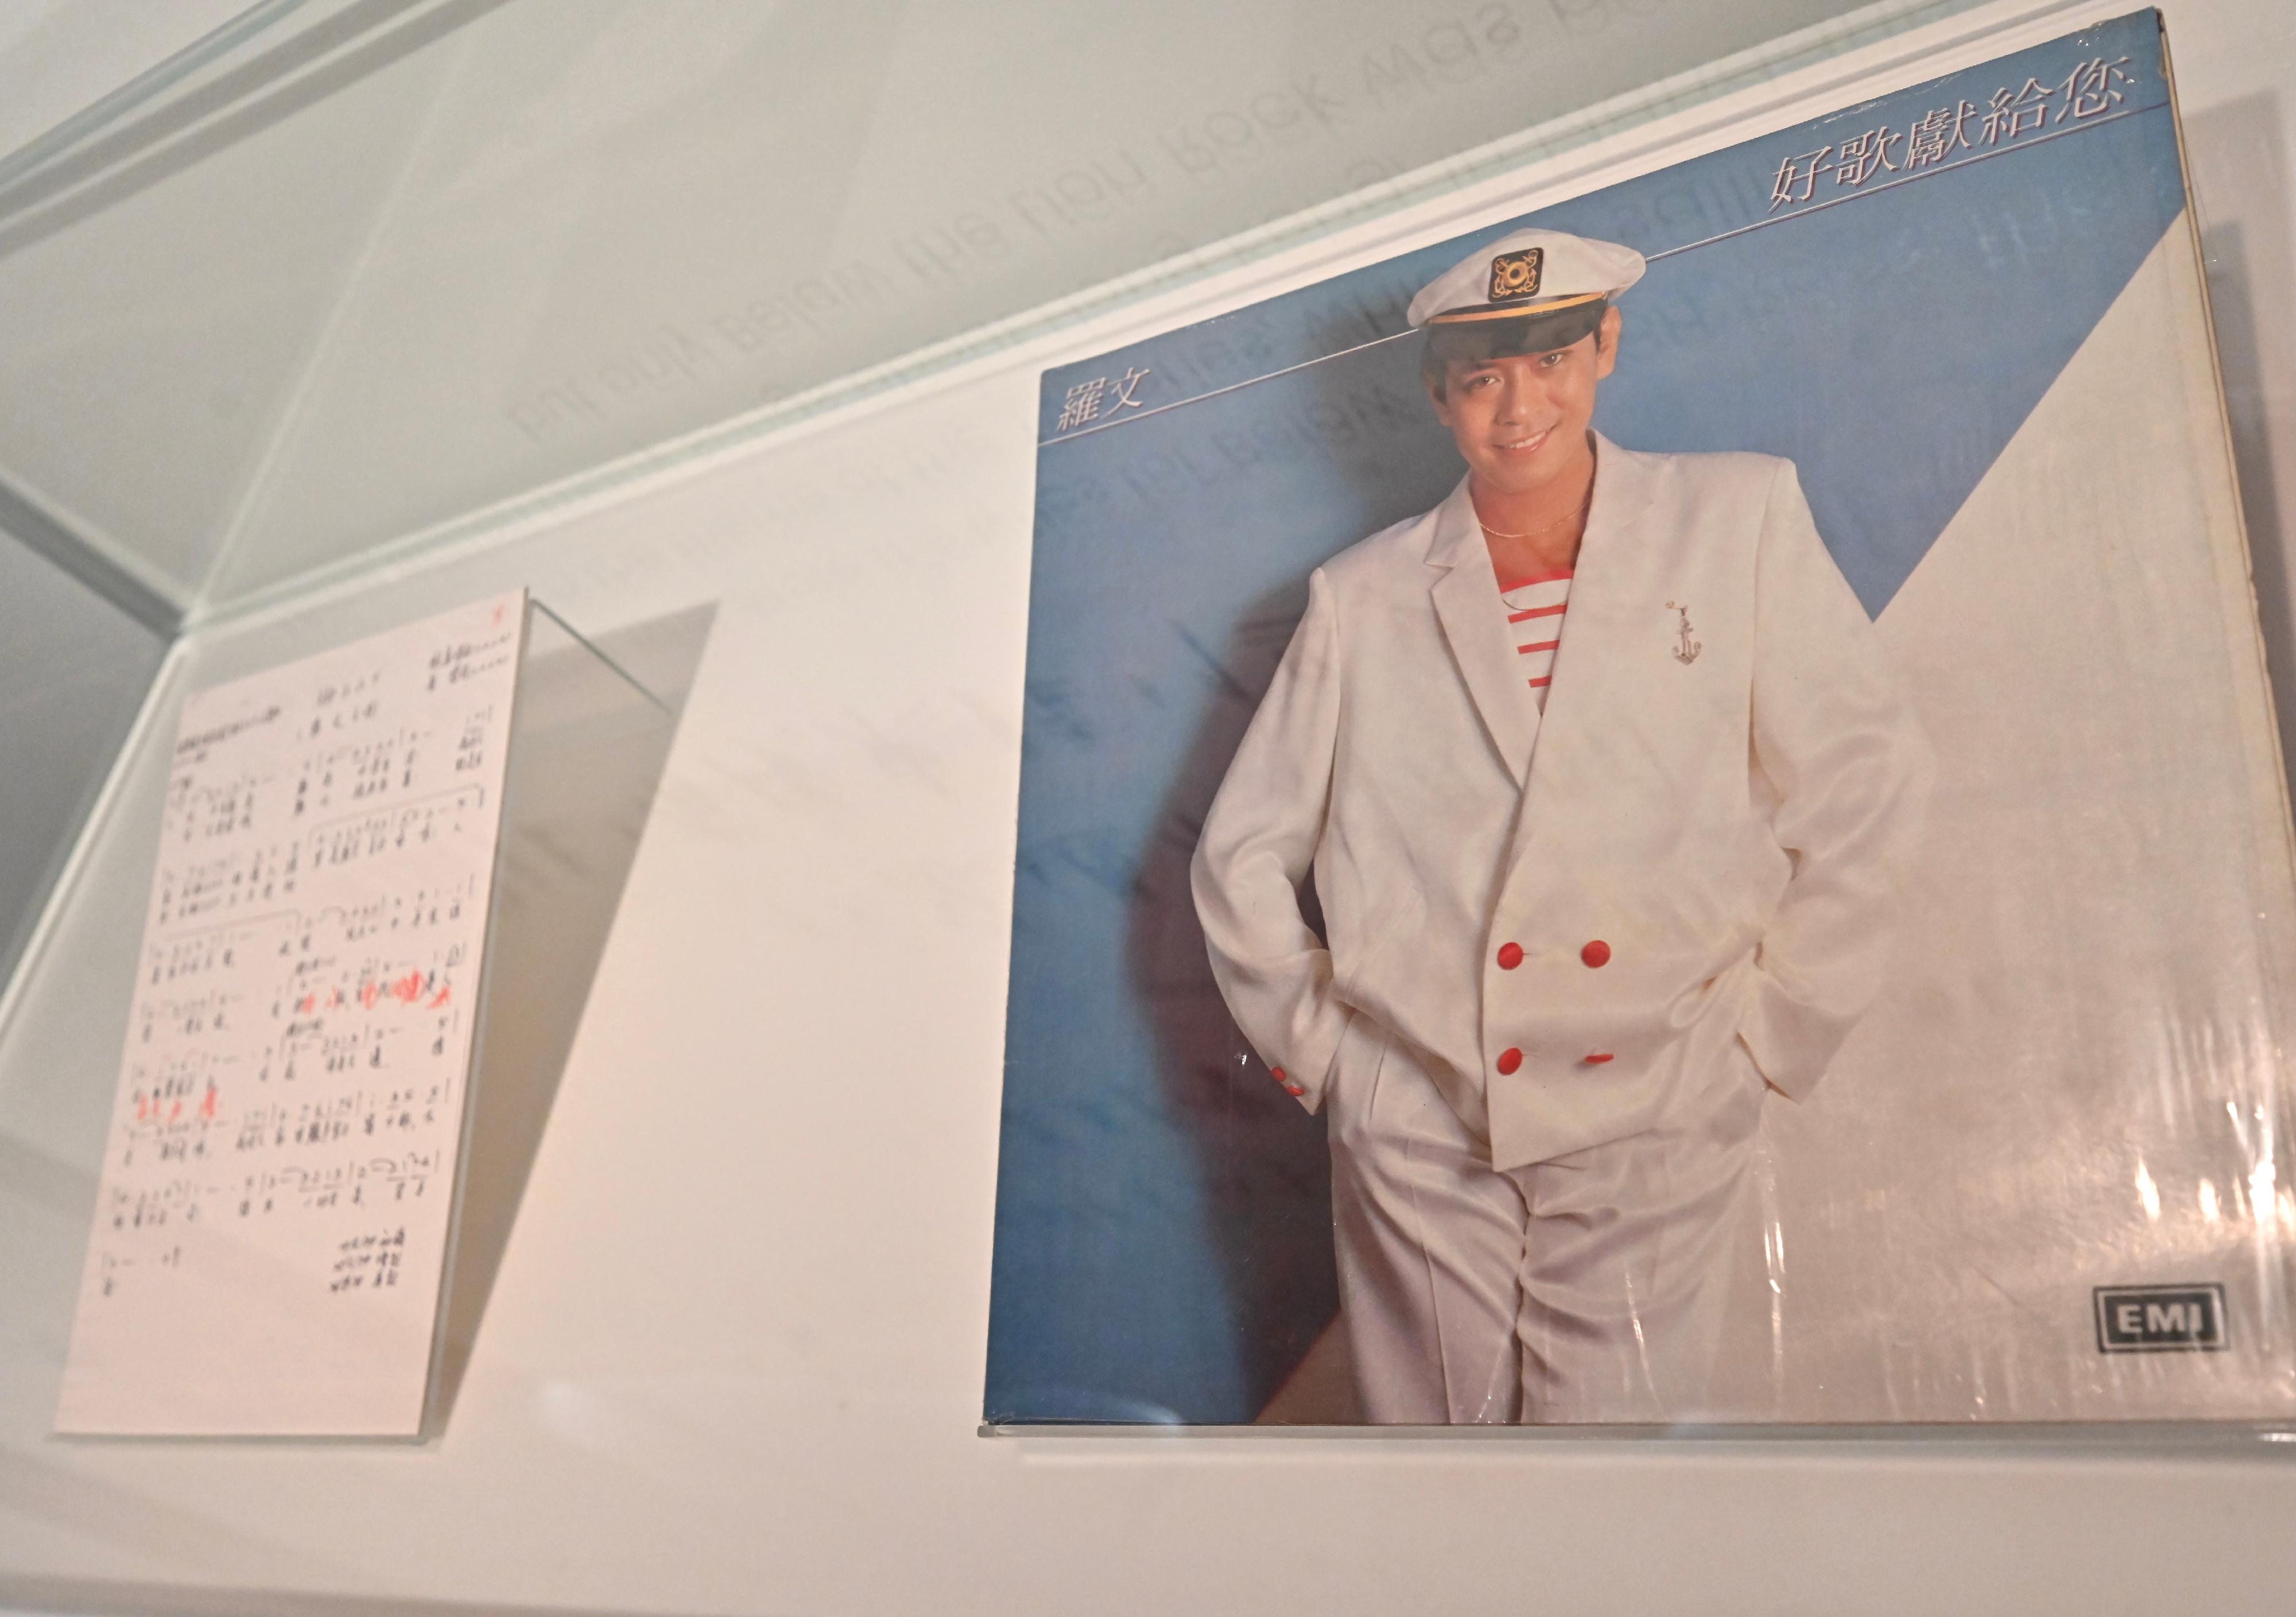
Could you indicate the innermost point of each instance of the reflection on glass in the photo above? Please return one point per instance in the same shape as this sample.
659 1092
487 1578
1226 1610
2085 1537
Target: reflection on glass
373 268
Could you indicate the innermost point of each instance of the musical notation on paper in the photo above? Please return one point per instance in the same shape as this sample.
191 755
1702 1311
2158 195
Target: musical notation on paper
271 1220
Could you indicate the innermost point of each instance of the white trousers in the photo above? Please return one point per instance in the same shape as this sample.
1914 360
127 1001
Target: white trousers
1602 1287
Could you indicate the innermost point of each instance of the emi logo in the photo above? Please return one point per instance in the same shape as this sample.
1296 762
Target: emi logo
2160 1318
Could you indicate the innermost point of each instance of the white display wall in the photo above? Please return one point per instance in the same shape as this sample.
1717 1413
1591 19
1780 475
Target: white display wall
731 1359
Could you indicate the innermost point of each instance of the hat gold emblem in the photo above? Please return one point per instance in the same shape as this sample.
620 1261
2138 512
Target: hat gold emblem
1515 274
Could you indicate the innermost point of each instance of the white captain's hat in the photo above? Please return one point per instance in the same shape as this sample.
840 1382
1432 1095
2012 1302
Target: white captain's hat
1527 273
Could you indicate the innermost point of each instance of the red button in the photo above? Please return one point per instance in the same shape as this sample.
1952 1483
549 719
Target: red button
1597 953
1295 1089
1277 1073
1510 1059
1599 1058
1510 955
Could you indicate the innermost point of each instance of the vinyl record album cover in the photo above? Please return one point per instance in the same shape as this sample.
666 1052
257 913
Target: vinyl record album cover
1666 810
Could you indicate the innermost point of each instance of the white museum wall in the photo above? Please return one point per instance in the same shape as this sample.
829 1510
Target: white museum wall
731 1361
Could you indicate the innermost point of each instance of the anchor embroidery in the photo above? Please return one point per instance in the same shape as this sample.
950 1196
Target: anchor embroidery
1687 650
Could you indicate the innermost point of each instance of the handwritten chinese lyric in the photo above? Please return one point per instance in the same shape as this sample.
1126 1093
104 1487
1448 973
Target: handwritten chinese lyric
273 1213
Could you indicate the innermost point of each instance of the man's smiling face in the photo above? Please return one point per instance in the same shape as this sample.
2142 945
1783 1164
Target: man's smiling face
1521 419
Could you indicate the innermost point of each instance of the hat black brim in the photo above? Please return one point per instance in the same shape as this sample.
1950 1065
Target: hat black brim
1472 342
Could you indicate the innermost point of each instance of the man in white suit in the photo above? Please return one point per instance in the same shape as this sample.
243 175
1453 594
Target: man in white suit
1608 791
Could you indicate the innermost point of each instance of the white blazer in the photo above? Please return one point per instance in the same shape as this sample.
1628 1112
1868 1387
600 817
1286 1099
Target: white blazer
1731 829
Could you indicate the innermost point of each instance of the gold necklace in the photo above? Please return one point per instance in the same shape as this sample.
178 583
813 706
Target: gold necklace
1578 515
1528 532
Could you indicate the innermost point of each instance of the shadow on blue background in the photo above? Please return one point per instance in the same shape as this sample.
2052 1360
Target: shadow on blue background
1163 1237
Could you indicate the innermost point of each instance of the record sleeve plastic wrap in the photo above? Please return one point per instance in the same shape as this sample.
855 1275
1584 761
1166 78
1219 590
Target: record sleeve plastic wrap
1322 1107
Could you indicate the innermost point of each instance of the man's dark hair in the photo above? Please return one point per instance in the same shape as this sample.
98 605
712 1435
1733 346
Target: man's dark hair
1475 341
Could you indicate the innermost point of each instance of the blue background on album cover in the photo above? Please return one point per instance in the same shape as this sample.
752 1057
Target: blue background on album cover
1162 1245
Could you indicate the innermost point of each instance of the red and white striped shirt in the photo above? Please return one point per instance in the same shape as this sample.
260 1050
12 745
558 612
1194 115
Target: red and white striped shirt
1534 608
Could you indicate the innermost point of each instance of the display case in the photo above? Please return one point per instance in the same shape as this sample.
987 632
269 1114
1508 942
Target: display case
735 336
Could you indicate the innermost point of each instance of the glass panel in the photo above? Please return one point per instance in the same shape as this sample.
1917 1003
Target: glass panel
63 59
73 671
383 267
